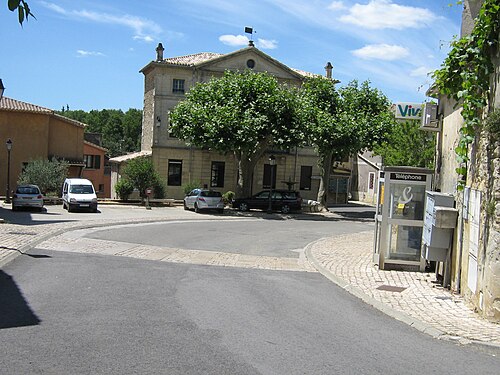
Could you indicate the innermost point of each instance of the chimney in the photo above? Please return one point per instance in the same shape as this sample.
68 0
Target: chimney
328 69
159 52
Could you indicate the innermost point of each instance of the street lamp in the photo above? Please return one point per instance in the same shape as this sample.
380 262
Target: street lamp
2 89
272 163
9 148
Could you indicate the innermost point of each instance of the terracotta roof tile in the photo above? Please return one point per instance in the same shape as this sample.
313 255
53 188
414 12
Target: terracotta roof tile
9 104
198 58
190 60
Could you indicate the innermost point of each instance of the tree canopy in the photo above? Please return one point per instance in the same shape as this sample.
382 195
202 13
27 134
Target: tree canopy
242 113
343 122
121 132
409 145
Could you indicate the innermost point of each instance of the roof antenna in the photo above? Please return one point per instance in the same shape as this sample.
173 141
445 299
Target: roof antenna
249 30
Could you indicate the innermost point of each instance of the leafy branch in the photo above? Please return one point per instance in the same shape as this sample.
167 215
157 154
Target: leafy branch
23 9
465 77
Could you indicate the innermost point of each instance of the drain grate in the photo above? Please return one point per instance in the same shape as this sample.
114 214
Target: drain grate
392 288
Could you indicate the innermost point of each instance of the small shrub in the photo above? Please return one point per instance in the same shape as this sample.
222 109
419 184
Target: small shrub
159 188
190 186
124 188
228 197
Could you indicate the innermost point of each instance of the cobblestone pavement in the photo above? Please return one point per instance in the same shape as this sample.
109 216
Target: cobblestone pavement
417 299
346 260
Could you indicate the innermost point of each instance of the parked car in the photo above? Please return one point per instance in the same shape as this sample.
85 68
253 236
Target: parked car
27 196
282 200
204 199
79 193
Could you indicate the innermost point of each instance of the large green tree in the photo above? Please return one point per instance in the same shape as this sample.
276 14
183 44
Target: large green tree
343 122
407 144
243 113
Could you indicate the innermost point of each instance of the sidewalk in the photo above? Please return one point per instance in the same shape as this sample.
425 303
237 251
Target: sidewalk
411 297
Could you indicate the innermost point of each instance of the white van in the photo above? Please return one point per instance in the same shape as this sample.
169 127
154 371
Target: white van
79 193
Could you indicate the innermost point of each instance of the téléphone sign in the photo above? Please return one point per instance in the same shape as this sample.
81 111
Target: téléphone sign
408 111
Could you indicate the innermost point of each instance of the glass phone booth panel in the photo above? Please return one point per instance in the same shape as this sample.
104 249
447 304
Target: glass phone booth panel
402 216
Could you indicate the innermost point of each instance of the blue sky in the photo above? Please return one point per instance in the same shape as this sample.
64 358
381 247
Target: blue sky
87 54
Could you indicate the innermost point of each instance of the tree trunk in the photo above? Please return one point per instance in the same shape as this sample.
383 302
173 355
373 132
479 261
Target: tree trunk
246 166
245 171
325 169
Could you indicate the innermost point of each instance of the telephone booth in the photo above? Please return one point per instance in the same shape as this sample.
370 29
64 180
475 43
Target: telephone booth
399 218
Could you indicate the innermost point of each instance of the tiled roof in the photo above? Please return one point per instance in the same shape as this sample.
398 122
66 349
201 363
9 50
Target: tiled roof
198 58
190 60
9 104
119 159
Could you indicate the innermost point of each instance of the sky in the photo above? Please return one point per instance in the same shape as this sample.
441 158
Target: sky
87 54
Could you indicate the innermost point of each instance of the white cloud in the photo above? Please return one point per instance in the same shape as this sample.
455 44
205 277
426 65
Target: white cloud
83 53
144 29
384 14
267 44
421 71
234 40
336 5
381 52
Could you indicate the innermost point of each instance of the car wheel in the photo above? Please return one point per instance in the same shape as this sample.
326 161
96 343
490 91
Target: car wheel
185 206
285 208
243 206
69 208
196 209
221 210
14 208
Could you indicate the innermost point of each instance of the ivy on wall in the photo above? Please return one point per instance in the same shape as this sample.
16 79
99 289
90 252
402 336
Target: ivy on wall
465 77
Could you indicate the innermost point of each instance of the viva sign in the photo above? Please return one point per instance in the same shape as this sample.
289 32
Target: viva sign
408 111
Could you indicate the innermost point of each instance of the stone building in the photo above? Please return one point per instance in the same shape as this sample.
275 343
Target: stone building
475 256
166 80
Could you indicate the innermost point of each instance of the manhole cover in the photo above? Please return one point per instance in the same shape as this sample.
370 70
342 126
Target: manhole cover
391 288
443 298
23 233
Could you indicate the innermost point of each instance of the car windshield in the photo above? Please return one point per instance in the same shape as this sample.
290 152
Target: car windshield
27 190
211 194
81 189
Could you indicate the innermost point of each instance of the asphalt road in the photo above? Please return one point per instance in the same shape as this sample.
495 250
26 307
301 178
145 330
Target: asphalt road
72 313
66 313
280 238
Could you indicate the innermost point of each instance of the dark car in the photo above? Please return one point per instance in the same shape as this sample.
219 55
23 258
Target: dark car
282 200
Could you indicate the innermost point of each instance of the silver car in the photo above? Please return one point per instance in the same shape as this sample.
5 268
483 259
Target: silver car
27 196
204 199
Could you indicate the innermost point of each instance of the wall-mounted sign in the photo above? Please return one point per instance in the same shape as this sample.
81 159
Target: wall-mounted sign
407 111
408 177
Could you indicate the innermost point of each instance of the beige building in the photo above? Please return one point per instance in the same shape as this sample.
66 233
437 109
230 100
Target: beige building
37 133
166 80
475 256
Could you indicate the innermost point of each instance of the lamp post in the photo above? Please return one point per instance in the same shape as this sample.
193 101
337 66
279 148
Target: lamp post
272 163
9 148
